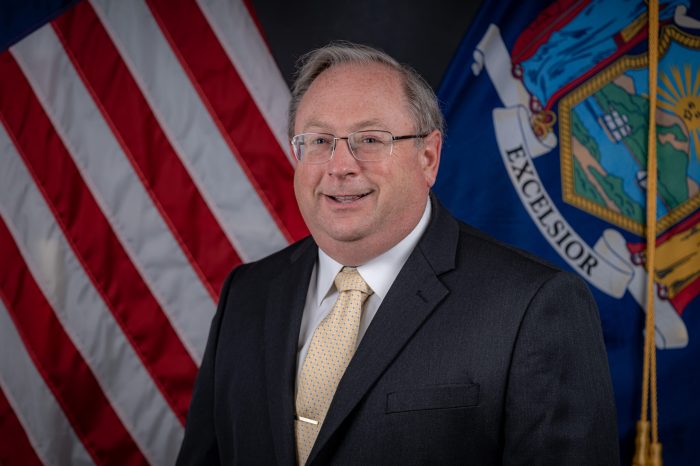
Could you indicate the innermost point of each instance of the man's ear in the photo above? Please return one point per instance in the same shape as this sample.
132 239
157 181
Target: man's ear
430 156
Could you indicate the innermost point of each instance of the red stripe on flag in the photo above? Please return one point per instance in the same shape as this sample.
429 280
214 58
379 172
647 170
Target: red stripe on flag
165 178
15 447
95 244
233 109
60 364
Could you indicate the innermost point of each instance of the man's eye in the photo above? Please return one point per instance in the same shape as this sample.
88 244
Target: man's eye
317 141
372 139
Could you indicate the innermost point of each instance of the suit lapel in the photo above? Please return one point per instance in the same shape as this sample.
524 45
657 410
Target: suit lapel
415 293
283 315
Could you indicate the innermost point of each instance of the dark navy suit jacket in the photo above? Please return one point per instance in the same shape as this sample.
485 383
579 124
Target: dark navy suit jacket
479 355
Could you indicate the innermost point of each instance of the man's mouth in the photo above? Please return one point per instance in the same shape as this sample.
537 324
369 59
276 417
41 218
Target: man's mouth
347 198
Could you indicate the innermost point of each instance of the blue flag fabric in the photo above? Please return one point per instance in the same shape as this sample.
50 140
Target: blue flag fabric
547 116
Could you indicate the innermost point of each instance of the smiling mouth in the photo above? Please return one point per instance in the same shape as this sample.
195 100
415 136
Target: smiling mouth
346 199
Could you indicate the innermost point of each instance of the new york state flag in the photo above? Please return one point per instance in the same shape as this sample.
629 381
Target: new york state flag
547 123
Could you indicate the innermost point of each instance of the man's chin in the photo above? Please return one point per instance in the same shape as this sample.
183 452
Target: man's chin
344 233
345 236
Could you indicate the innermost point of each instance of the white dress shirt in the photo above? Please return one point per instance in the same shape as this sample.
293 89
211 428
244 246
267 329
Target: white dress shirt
379 273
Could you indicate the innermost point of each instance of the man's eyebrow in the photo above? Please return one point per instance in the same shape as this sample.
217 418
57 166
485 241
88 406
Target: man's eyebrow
368 124
316 125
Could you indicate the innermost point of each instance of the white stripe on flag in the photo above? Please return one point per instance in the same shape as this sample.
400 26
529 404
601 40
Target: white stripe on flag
117 189
83 314
49 432
245 47
190 128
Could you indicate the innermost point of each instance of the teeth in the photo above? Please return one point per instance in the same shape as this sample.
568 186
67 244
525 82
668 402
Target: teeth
347 198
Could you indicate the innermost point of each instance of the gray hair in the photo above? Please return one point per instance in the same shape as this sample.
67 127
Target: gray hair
421 99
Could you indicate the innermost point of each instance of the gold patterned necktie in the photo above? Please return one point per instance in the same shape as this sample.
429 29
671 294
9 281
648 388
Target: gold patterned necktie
332 346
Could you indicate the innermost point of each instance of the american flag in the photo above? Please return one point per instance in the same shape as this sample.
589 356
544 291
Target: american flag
143 154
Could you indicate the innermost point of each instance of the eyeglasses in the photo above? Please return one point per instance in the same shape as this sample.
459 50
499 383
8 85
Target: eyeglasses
365 146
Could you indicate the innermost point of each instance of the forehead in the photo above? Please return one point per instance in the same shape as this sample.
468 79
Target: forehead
348 97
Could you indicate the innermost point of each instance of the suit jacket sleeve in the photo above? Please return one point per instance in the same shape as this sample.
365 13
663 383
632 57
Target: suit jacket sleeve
559 400
200 445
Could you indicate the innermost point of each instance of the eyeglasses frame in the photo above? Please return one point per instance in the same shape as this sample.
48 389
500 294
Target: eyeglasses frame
347 138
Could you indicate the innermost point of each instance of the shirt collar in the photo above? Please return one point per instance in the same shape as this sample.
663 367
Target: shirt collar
380 272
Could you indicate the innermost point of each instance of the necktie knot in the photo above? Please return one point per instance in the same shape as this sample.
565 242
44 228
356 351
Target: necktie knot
349 279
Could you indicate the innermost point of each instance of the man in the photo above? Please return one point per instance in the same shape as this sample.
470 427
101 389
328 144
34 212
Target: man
394 334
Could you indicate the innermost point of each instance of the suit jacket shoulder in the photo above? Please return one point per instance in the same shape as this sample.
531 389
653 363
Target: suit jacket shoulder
265 269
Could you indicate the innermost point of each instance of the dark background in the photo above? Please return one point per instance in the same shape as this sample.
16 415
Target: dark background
421 33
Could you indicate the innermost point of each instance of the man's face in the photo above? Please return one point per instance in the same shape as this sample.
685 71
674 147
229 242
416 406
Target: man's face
356 210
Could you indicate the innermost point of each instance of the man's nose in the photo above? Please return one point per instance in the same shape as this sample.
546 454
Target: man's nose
343 162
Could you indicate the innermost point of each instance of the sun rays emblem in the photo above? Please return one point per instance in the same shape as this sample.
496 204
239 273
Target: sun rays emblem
679 94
